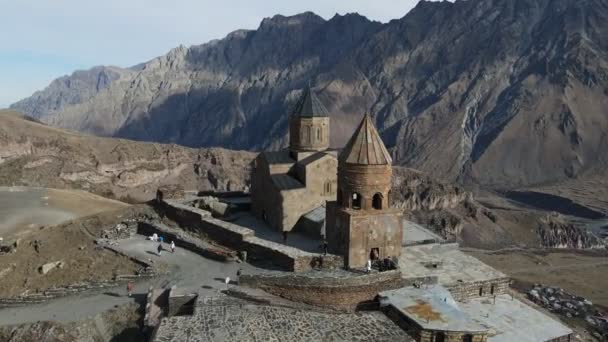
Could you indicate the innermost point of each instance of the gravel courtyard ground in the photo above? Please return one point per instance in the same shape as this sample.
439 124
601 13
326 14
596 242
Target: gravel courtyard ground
186 270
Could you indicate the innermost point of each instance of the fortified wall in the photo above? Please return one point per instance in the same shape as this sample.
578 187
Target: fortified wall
339 290
242 239
483 288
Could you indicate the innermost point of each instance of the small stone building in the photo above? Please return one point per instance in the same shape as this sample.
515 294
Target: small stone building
287 184
360 223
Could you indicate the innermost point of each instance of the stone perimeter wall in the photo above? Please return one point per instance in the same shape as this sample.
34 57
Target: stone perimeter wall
341 293
186 242
240 238
489 288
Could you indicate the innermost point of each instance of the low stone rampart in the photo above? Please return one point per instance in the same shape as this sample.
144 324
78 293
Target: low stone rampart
240 238
486 288
420 281
342 292
182 240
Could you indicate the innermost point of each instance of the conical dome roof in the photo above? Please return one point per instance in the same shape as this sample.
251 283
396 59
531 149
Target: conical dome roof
309 105
365 147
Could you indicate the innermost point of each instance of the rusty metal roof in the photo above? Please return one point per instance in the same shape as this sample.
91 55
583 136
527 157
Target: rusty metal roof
365 147
309 105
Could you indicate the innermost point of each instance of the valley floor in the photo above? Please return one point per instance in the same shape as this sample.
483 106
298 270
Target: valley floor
577 272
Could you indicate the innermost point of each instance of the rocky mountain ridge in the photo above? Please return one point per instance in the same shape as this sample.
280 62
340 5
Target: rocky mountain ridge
34 154
501 93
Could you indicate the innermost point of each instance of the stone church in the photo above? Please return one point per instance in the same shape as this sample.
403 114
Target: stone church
285 185
352 191
360 223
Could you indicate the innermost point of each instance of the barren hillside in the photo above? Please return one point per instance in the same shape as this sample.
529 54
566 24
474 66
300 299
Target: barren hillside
501 93
34 154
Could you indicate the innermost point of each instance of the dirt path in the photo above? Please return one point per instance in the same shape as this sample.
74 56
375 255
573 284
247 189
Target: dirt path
187 270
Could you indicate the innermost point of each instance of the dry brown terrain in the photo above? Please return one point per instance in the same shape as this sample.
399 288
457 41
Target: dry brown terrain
25 209
34 154
590 191
71 242
580 273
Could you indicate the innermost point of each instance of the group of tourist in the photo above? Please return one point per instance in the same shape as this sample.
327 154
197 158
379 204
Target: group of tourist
158 238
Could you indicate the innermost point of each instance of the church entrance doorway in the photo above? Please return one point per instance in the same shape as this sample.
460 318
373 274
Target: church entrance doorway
374 254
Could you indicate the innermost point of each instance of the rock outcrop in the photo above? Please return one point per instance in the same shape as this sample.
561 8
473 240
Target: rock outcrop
413 190
34 154
499 92
434 204
556 232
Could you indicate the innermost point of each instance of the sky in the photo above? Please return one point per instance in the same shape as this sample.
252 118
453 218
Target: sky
41 40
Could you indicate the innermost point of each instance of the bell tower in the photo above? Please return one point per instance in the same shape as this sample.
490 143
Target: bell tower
308 126
360 224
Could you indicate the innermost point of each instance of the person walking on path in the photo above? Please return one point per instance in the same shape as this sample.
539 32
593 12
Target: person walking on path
162 239
227 281
238 275
160 248
368 267
172 246
129 289
324 247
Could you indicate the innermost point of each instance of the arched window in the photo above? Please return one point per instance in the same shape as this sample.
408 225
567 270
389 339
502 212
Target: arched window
377 201
356 201
308 134
467 338
440 336
318 134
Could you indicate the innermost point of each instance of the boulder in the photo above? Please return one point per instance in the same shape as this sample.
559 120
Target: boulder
46 268
218 209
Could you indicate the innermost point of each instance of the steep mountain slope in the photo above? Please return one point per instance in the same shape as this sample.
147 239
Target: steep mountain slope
34 154
497 92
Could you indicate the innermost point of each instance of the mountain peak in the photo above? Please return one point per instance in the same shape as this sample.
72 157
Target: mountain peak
294 20
497 91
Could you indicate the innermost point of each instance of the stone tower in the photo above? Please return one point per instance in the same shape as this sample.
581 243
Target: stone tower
360 224
308 126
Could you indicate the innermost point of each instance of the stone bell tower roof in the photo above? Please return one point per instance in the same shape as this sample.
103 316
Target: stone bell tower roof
309 105
365 147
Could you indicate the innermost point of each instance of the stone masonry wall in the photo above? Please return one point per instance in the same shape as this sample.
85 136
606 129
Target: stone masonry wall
471 290
431 336
187 242
295 203
179 303
565 338
240 238
200 222
415 330
342 293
